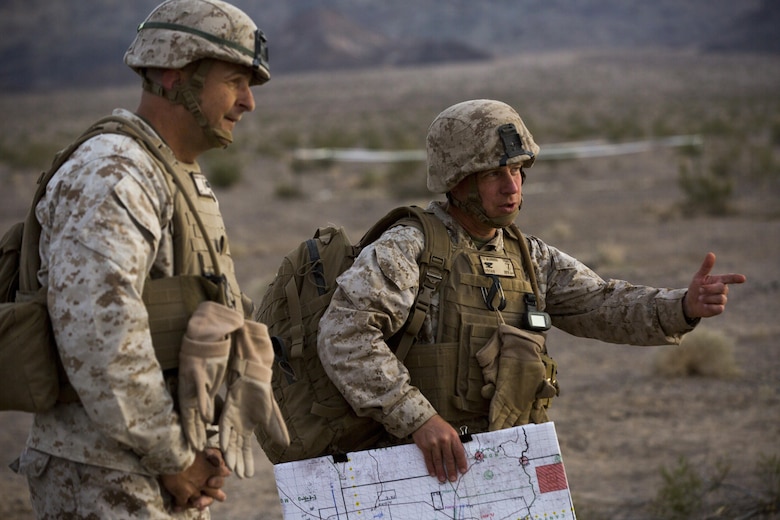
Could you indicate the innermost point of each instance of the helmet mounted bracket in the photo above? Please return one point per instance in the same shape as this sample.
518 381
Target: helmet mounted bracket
260 59
513 143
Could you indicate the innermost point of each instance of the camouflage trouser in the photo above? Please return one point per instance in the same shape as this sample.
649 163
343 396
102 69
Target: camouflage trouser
63 489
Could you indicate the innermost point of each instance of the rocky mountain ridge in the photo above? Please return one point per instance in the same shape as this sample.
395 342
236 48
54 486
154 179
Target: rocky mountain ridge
47 45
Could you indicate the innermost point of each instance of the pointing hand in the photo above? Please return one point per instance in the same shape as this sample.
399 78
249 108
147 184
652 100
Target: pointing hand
707 293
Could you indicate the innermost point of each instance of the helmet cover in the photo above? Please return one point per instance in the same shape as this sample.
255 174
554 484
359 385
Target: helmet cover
179 32
474 136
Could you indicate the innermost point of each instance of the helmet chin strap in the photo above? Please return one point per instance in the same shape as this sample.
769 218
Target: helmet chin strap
187 94
473 206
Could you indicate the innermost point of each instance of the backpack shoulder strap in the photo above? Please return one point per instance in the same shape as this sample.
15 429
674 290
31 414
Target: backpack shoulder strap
526 257
434 266
29 259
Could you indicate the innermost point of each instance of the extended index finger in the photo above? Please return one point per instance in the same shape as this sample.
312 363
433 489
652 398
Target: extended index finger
729 278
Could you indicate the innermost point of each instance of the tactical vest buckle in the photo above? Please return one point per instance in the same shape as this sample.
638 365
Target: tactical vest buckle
488 295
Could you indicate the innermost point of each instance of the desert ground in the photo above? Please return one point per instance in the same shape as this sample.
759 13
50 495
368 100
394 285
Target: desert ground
618 420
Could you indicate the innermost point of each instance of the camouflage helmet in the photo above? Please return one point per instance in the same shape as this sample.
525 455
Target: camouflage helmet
179 32
475 136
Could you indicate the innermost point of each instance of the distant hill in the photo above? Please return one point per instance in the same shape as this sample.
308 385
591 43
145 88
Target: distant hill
47 44
324 38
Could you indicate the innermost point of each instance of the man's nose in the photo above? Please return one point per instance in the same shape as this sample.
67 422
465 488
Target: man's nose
247 99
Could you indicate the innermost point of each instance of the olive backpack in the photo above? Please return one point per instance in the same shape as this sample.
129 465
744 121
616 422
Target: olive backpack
318 418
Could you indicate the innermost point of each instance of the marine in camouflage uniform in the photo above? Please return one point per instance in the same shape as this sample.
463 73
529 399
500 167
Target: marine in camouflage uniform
472 144
107 224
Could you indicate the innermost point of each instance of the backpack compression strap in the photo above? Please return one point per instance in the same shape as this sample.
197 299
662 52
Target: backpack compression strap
434 267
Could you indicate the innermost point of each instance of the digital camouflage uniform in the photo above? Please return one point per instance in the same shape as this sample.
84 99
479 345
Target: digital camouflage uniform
373 299
106 224
109 218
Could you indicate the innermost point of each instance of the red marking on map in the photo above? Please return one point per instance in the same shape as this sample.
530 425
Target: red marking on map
551 477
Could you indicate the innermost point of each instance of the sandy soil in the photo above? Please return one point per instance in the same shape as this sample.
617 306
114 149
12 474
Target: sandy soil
618 421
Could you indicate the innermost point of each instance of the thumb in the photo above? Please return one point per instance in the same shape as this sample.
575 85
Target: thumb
706 266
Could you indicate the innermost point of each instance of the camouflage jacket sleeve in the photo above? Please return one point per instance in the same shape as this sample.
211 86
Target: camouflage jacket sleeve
371 302
583 304
104 218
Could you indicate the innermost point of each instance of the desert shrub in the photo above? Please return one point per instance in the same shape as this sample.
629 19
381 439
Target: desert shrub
681 493
608 254
768 498
223 170
578 127
371 178
288 138
692 150
301 166
28 154
407 180
703 352
335 138
287 190
691 492
559 231
621 128
270 148
763 164
661 125
718 125
774 132
372 139
406 136
705 192
684 489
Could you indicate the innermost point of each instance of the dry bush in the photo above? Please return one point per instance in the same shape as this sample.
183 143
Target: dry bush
608 255
703 352
698 492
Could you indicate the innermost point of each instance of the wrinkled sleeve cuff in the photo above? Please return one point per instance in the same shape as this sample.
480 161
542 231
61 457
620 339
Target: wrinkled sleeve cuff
671 316
169 460
409 415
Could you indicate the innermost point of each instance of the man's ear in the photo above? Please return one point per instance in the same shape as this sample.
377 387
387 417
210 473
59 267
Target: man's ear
171 78
461 190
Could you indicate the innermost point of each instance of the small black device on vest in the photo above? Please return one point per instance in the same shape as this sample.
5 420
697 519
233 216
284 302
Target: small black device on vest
533 319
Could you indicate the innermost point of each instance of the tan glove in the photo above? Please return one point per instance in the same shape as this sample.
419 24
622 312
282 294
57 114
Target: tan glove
517 375
487 357
203 362
250 400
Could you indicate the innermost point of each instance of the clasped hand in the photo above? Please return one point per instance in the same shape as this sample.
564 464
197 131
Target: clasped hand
200 484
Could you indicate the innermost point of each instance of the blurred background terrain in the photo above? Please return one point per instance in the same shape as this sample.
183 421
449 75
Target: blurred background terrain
59 44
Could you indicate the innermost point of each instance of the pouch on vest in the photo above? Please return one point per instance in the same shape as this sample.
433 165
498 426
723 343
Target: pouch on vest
515 377
170 302
28 357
